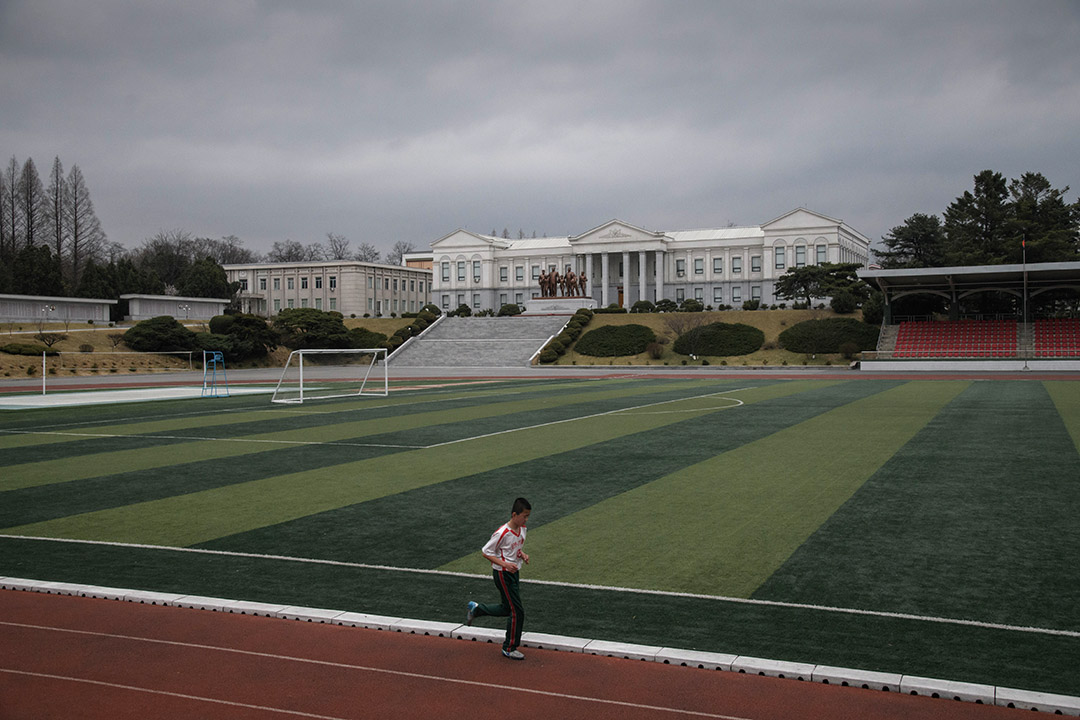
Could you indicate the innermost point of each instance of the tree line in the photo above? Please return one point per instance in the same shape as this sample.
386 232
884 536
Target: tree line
997 222
52 243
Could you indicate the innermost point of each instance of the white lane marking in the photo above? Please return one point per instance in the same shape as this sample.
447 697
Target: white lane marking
577 586
362 668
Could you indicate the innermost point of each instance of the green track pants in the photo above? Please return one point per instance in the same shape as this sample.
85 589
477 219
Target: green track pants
510 607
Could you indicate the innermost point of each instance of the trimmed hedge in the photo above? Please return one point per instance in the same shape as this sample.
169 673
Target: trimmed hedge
826 336
720 339
27 349
615 340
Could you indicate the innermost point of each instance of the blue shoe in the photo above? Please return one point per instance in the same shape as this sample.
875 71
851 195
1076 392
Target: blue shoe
470 612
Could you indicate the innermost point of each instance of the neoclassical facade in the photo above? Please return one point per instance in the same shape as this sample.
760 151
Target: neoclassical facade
624 263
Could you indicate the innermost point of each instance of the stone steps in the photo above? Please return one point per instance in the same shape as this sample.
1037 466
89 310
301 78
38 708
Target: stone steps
480 342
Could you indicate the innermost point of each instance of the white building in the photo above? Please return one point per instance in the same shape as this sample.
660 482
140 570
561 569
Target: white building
47 309
350 287
144 307
624 263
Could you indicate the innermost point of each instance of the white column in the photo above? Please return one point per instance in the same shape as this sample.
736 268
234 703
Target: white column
641 275
659 275
625 277
588 274
605 280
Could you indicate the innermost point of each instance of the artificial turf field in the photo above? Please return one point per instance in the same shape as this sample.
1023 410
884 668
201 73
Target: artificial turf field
757 513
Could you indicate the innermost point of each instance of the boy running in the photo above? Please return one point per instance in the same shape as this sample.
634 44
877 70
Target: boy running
504 553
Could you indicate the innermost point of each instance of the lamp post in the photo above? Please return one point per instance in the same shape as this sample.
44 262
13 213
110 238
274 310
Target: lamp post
186 309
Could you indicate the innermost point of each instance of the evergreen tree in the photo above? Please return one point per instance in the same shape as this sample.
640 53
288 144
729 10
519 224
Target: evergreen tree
204 278
918 243
976 223
1042 221
37 272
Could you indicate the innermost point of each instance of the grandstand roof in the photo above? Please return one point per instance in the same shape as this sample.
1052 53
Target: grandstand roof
981 276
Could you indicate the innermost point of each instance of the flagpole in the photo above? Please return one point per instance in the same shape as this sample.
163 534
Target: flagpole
1023 247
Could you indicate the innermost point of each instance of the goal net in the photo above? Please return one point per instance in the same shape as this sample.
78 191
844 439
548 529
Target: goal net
333 373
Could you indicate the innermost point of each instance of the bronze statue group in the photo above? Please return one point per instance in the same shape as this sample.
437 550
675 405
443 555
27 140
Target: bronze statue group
568 284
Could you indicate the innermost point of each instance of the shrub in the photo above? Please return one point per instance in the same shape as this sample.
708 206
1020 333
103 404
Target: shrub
751 305
612 309
666 305
463 310
826 336
86 348
548 356
160 334
721 339
655 350
849 349
643 306
432 309
615 340
27 349
691 305
363 338
844 303
220 324
873 309
509 309
311 328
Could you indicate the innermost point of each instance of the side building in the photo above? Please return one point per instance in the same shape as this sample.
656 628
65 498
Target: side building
350 287
624 263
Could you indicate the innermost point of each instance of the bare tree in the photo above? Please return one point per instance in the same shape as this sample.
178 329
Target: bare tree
31 202
10 202
337 247
367 253
54 215
167 254
400 248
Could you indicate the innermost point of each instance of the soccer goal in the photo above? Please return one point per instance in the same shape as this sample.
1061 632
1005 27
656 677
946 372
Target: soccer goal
332 373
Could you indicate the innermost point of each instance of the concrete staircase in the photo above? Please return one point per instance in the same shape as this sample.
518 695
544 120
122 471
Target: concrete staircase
480 342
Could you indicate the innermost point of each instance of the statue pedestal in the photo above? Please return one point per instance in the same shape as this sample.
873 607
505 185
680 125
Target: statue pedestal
557 305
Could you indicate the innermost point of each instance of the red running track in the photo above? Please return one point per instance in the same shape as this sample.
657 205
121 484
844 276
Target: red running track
66 657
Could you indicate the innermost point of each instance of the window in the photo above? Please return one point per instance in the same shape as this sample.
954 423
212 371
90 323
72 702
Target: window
446 299
318 303
780 259
476 271
736 295
699 266
718 295
800 256
243 284
718 266
395 284
289 284
446 272
277 306
699 294
318 282
821 254
291 303
460 299
277 283
755 263
519 273
333 303
517 298
504 273
736 264
370 303
755 292
262 283
476 300
395 305
303 302
371 283
680 295
412 286
680 267
502 299
461 271
421 286
333 283
386 283
535 272
303 283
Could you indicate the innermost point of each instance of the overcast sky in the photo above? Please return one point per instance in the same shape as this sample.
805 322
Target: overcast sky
398 120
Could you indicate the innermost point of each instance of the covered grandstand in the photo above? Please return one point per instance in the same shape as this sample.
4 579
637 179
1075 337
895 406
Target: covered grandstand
1032 322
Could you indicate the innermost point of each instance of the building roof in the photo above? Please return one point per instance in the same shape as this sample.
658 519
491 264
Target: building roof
984 276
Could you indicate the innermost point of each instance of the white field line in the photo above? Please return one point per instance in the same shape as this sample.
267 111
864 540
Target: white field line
329 663
596 415
577 586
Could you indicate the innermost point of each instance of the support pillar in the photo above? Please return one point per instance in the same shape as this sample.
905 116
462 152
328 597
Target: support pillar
659 275
625 276
605 281
590 286
641 275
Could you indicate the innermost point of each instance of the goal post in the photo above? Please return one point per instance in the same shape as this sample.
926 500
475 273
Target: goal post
320 374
